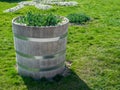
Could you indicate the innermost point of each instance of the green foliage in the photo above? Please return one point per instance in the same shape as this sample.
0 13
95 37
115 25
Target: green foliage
93 49
78 18
37 19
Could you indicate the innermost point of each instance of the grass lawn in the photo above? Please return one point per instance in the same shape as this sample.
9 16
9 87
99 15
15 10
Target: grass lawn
93 49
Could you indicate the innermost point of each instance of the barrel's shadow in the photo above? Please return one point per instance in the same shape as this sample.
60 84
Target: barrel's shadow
71 82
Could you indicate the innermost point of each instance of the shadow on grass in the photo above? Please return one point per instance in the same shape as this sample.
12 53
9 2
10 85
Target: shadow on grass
12 1
71 82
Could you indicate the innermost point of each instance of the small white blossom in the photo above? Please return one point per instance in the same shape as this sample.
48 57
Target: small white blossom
71 3
40 4
14 8
27 3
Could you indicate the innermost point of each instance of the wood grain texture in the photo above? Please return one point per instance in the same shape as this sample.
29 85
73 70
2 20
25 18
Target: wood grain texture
46 66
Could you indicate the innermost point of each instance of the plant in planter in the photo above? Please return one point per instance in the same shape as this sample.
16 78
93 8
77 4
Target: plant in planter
78 18
40 43
39 19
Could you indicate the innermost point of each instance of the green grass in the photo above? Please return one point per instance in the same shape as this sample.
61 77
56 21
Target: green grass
93 49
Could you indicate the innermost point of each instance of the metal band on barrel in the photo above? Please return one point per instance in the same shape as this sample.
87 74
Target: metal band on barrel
41 57
40 69
40 39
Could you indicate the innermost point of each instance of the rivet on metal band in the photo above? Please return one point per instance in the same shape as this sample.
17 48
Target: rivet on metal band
53 56
40 69
40 39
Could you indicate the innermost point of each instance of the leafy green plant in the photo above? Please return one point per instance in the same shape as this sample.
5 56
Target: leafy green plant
37 19
78 18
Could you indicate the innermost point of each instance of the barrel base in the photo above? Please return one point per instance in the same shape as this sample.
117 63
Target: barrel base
43 74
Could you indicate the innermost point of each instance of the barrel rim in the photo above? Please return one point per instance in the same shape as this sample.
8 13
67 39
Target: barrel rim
64 18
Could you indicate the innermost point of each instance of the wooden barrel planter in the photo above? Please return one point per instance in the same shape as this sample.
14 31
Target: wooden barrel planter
40 51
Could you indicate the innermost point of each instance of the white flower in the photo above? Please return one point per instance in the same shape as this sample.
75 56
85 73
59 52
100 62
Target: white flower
40 4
